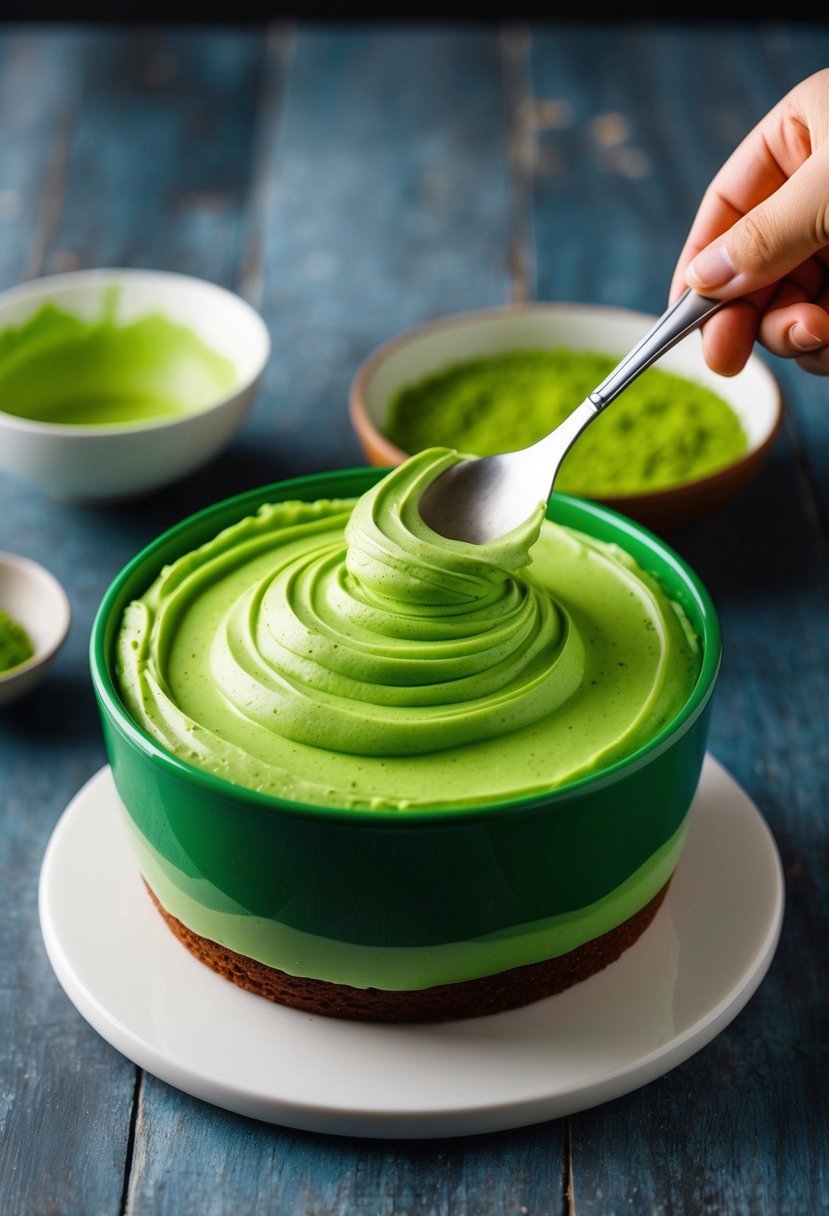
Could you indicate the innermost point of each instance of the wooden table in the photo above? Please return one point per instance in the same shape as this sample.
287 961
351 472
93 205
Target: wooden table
352 181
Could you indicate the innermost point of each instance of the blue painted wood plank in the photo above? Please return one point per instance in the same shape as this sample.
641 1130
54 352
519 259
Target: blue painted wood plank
160 151
632 122
385 203
131 149
384 194
65 1097
740 1128
192 1158
360 225
33 148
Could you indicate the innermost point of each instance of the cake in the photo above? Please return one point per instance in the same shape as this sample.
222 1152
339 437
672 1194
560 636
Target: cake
487 994
393 749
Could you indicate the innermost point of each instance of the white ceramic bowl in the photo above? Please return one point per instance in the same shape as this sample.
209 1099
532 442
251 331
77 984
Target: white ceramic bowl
754 394
89 463
35 599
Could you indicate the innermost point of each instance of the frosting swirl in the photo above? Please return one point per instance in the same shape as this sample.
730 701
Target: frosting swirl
395 643
342 653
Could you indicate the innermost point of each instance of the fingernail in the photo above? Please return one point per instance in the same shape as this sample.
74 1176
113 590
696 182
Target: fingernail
711 268
803 338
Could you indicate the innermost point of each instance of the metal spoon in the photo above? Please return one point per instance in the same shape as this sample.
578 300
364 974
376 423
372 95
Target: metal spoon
479 499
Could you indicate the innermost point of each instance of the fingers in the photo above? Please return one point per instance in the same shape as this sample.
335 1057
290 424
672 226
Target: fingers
764 211
760 239
791 321
728 338
795 327
792 332
778 235
750 175
715 216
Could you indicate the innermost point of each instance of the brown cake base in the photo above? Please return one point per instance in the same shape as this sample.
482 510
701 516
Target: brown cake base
468 998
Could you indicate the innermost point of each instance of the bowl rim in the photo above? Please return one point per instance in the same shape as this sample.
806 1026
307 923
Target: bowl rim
59 599
364 424
354 481
47 285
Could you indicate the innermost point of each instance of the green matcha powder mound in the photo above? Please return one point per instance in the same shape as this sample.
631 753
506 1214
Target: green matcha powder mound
663 431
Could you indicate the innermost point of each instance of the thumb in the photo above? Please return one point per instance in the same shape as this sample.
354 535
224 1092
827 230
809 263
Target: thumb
772 239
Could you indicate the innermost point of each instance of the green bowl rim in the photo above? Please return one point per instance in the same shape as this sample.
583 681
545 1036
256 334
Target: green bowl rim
596 513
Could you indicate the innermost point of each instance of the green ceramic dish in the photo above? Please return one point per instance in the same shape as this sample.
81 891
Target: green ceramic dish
405 900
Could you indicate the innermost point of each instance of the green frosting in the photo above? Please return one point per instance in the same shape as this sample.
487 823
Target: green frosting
662 431
362 965
15 644
62 368
340 653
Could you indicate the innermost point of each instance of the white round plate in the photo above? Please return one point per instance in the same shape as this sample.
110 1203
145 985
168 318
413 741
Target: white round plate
686 978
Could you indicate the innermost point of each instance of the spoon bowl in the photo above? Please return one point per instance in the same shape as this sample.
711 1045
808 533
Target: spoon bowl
478 500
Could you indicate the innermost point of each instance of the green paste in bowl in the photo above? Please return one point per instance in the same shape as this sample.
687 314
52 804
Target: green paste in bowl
15 644
61 368
663 431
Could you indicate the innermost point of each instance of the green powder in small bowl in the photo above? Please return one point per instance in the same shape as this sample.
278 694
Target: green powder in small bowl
663 431
15 644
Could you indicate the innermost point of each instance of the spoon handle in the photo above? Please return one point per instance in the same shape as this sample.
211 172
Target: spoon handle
689 311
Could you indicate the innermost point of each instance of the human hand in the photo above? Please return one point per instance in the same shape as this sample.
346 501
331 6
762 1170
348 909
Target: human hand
762 234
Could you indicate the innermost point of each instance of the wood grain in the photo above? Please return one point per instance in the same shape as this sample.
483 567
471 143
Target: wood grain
715 1135
352 181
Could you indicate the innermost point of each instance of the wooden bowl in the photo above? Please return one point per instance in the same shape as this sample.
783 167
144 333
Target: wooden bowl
753 394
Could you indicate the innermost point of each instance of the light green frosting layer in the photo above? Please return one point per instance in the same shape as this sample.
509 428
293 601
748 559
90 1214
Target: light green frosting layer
399 969
342 654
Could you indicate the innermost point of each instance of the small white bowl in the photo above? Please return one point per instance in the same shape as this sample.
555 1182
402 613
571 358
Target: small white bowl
93 463
35 599
753 394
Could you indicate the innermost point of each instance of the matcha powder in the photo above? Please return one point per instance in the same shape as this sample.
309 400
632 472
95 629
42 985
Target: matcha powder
15 644
662 431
